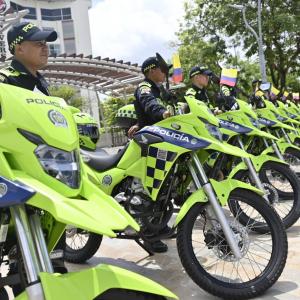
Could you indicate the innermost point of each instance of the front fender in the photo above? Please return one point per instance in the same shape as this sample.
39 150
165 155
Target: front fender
257 161
283 146
90 283
222 189
100 213
293 136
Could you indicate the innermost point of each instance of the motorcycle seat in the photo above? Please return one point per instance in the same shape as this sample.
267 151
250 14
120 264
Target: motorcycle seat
100 160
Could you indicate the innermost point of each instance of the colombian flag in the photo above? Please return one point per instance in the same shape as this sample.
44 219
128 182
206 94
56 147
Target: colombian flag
177 70
296 96
274 91
285 95
228 77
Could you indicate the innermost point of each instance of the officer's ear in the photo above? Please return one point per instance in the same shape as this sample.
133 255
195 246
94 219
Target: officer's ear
18 49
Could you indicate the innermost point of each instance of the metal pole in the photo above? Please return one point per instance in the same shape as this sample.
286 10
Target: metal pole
259 41
260 44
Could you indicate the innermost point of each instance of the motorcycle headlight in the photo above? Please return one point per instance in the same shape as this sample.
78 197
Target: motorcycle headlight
62 165
214 131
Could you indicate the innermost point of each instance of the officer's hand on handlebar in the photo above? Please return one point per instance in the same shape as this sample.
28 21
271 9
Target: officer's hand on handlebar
132 130
166 114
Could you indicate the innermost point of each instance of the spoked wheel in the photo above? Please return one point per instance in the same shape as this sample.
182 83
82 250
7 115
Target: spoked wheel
81 245
115 294
292 157
208 260
283 182
282 188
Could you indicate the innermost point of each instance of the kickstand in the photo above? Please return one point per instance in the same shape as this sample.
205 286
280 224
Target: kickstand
150 253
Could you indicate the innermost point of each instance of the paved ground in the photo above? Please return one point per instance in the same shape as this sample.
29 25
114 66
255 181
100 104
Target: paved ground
166 268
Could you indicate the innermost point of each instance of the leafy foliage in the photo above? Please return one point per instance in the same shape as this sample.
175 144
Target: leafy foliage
208 25
110 107
69 94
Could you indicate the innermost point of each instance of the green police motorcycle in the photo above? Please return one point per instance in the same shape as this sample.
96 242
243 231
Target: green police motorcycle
282 188
286 147
150 175
43 187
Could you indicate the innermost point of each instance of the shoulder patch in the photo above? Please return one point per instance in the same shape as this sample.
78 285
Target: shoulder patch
2 78
145 90
225 90
145 83
191 92
9 72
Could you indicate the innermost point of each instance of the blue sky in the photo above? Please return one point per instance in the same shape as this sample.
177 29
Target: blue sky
133 30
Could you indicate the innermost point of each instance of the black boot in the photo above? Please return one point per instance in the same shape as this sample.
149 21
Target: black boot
157 246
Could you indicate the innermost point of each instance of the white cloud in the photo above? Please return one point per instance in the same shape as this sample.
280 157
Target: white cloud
134 29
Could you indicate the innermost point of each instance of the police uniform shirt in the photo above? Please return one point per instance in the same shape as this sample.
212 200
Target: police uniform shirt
16 74
148 104
228 95
198 93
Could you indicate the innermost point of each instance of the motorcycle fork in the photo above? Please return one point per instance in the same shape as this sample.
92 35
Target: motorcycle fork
252 171
275 147
33 249
214 209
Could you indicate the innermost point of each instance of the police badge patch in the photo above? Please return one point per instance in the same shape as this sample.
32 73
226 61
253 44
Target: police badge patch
145 90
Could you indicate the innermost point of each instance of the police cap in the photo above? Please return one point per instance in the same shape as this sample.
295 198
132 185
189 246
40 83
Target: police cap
200 70
26 31
150 63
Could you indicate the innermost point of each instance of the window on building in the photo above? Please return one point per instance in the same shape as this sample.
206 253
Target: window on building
54 49
32 11
56 14
70 46
69 36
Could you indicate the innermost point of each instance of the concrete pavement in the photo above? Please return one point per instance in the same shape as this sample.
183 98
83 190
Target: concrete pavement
167 270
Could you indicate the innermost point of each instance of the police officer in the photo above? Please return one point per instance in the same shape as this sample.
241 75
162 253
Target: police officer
199 76
150 108
28 44
148 103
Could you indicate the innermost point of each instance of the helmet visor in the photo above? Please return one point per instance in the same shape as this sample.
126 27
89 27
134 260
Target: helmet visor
90 130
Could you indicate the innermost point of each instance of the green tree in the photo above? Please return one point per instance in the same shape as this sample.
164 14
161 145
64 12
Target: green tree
207 25
69 94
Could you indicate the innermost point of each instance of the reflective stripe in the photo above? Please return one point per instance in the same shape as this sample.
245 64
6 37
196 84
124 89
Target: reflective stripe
8 72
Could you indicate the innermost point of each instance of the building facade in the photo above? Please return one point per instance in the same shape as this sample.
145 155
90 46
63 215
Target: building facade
68 17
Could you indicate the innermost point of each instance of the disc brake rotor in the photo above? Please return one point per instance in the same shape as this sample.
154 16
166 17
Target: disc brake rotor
222 250
271 193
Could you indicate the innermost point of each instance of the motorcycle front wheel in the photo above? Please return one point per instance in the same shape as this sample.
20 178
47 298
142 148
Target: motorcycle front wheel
81 245
208 260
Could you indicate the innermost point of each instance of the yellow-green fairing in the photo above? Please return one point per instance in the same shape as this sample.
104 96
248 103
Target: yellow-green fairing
90 283
50 121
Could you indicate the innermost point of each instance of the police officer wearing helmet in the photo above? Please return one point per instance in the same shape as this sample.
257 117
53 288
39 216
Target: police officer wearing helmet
148 102
199 76
28 44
